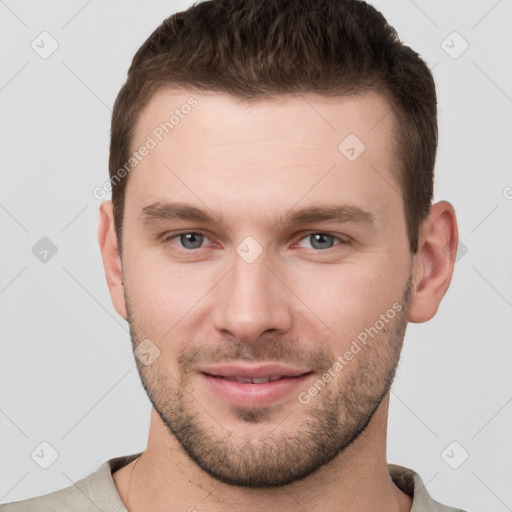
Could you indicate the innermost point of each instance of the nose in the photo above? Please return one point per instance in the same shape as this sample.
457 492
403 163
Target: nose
252 300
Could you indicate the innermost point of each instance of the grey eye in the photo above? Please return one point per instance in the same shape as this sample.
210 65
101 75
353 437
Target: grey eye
321 241
191 240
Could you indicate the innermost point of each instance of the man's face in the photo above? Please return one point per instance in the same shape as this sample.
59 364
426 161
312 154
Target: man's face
249 288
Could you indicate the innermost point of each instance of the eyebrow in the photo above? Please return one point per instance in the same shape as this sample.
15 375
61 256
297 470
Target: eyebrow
162 211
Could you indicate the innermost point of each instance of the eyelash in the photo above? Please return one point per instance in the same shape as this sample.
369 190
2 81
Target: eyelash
167 239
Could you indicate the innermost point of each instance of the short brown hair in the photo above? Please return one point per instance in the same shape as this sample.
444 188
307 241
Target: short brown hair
256 49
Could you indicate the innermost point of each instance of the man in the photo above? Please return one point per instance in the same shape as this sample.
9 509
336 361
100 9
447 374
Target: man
270 235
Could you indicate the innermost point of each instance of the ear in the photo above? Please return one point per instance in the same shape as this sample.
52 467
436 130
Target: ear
111 257
434 262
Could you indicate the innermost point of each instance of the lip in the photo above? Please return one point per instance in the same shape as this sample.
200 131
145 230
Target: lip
252 371
248 394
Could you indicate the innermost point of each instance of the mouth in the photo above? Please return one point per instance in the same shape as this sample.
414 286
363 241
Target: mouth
253 386
253 380
270 371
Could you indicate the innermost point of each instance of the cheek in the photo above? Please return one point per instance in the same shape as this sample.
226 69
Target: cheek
349 297
164 297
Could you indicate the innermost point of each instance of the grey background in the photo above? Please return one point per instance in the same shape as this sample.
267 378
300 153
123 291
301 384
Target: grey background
67 374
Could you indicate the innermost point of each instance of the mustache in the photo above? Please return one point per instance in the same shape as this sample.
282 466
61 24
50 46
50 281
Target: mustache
265 350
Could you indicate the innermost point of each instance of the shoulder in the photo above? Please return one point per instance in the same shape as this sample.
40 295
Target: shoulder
410 482
92 493
69 498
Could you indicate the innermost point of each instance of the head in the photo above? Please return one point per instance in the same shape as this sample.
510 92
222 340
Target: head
258 50
279 213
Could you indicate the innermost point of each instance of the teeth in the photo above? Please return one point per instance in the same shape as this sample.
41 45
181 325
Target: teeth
259 380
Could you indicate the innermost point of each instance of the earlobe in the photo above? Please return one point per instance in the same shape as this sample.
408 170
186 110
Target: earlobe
112 264
434 263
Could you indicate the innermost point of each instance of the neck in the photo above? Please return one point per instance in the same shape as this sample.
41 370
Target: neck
355 481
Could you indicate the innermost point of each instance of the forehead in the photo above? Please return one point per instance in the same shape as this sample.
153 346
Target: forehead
366 114
280 151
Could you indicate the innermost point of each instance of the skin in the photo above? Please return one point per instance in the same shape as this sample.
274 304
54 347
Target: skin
295 303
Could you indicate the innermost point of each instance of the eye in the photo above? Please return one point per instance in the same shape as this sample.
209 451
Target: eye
321 241
190 240
193 240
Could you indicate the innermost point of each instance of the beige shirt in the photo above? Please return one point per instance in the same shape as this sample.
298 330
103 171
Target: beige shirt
97 492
